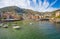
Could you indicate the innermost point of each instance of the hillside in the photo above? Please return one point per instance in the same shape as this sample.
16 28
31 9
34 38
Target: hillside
21 10
18 13
16 9
12 8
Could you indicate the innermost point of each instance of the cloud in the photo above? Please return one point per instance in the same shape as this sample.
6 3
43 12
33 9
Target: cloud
53 3
30 4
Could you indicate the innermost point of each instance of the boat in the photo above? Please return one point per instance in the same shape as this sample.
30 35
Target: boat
1 24
5 26
31 23
16 27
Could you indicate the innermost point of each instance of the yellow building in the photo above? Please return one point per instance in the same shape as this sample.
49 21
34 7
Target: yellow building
58 13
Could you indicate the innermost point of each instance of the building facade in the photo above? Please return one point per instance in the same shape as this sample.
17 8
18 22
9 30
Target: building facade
57 13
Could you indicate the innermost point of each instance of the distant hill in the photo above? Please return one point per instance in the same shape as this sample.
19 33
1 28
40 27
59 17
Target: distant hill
16 9
20 10
12 8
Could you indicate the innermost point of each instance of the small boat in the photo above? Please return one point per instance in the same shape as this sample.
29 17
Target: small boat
16 27
31 23
1 24
5 26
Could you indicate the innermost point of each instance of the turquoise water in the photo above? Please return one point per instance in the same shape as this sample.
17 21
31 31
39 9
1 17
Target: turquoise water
36 30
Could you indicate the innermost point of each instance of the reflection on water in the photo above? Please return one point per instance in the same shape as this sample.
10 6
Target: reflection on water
36 30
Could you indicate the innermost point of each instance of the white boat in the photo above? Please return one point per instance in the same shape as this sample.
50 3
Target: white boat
31 23
16 27
1 24
5 26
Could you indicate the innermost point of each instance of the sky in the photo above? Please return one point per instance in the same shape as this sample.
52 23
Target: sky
36 5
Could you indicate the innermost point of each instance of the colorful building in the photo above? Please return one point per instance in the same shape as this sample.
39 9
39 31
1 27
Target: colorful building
10 15
58 13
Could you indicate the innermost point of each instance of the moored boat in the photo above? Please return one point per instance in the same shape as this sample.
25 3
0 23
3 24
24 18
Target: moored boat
5 26
16 27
